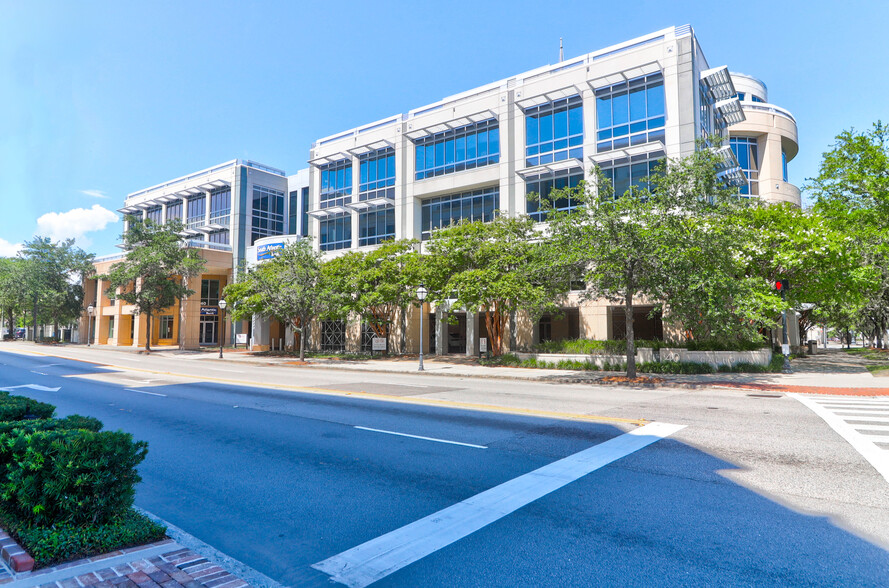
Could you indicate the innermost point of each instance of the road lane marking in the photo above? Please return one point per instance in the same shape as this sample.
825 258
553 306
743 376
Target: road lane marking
879 458
229 371
36 372
437 402
32 386
849 411
377 558
870 427
145 392
421 437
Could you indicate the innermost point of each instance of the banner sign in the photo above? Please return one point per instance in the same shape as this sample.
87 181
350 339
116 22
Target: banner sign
267 251
209 311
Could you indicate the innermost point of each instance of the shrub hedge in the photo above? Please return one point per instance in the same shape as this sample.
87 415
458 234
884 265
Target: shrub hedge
67 487
618 347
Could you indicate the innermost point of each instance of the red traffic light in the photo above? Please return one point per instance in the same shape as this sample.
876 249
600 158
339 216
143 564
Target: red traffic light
780 285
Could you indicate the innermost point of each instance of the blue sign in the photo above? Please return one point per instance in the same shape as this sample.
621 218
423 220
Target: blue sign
267 251
209 311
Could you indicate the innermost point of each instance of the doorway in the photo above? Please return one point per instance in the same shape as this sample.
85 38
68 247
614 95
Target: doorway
457 333
208 330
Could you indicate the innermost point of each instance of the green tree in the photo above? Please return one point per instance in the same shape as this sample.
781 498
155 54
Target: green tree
496 268
852 194
660 239
377 283
13 297
289 288
151 275
53 273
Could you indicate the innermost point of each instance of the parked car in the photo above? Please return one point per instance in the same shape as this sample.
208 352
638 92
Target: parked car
20 333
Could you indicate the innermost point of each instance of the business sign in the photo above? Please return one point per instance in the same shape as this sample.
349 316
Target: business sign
241 338
378 344
482 345
267 251
209 311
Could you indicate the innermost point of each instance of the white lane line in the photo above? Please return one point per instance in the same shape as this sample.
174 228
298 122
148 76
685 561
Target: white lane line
377 558
868 419
873 454
36 372
849 411
145 392
870 427
421 437
229 371
876 438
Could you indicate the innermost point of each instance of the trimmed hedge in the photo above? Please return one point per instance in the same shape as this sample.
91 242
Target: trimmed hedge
675 367
619 346
49 545
17 408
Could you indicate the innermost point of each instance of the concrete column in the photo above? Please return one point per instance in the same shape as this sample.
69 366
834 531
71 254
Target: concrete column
441 332
472 333
260 331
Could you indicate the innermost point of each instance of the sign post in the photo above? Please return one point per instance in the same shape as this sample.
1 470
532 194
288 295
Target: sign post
482 346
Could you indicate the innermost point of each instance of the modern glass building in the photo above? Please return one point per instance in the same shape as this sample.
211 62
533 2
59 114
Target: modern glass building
479 153
224 210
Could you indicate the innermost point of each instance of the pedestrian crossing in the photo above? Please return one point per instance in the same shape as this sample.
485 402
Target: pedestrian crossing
862 421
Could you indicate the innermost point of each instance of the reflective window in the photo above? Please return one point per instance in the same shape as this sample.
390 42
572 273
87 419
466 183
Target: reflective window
376 226
336 183
305 212
444 211
377 175
632 172
154 214
336 232
543 185
554 131
209 292
166 327
220 237
630 113
197 208
268 213
784 164
458 149
756 98
220 205
747 153
706 113
174 210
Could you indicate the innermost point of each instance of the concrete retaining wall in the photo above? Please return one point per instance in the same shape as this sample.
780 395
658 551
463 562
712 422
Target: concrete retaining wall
647 354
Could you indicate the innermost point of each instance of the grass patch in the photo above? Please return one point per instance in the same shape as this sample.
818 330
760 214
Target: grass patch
878 370
870 353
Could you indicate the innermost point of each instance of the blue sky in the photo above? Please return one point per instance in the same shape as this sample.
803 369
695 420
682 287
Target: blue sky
100 99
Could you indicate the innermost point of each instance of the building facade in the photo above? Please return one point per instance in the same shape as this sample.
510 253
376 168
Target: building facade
224 211
481 152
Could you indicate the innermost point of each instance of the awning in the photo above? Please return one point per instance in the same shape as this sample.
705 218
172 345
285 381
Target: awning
418 133
718 82
381 202
730 110
626 152
548 168
733 176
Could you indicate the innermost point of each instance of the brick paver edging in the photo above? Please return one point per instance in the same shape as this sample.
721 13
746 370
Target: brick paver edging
804 389
12 553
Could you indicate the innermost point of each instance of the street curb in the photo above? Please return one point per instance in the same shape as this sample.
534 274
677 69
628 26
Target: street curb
234 566
14 554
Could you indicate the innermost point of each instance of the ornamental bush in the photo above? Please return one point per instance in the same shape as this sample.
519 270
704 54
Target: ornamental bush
69 476
17 408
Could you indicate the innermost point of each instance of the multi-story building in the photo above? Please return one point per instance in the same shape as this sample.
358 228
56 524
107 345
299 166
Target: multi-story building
224 210
481 152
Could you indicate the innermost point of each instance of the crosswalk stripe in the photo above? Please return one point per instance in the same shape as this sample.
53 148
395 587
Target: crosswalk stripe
838 420
871 427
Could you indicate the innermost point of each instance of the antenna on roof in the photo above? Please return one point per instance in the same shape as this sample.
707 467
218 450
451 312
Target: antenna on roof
561 51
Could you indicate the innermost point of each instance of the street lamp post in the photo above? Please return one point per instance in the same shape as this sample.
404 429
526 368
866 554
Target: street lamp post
421 296
222 305
89 324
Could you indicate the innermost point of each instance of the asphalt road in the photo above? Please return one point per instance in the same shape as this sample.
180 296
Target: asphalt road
755 490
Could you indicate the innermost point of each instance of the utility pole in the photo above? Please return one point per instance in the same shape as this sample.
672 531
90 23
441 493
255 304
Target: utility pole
561 51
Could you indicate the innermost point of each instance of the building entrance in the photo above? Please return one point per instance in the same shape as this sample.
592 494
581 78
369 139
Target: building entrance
457 333
208 331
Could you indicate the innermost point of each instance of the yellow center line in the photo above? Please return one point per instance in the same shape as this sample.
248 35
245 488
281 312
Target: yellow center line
380 397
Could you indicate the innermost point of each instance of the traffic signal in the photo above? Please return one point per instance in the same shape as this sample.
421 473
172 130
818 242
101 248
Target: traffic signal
781 285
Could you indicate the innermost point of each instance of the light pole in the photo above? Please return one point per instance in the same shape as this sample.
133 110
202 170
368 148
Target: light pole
89 324
222 305
421 296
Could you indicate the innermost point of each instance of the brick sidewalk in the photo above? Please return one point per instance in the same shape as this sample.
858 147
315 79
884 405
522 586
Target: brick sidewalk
176 567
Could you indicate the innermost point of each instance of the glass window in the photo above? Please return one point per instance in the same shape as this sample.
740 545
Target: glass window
632 173
196 211
376 226
443 211
543 185
554 131
111 326
336 232
459 149
154 214
747 152
784 164
174 210
630 113
220 206
336 183
377 174
209 292
166 327
304 228
267 213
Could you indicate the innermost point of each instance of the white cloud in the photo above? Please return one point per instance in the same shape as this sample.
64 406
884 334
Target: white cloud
94 193
75 223
8 249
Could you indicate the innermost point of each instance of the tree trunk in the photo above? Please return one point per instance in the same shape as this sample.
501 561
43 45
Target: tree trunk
10 319
302 338
403 345
631 347
148 332
34 320
55 330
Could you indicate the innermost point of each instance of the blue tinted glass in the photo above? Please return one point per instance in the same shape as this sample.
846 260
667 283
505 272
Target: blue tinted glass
420 154
363 172
494 141
372 171
531 130
655 123
560 124
340 181
620 108
325 181
449 151
381 168
637 104
575 120
347 185
430 156
621 180
656 100
439 154
482 143
461 148
471 151
639 173
603 112
546 128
